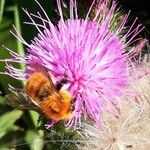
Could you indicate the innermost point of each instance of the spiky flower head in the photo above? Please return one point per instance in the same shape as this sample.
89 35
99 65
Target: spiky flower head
92 57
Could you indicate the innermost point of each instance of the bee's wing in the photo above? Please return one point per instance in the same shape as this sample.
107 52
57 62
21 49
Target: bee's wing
21 100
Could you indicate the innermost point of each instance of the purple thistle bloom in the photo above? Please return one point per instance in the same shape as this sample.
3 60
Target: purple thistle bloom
93 58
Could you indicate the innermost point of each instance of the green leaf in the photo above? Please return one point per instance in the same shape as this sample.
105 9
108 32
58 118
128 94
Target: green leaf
34 140
34 117
7 121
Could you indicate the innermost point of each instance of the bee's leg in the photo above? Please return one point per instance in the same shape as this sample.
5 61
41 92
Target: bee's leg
60 83
11 88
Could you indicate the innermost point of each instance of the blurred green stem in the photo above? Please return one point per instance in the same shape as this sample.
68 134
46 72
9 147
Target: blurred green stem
2 3
19 44
17 24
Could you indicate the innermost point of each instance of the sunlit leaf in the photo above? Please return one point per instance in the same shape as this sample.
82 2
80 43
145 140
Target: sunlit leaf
34 117
34 140
7 121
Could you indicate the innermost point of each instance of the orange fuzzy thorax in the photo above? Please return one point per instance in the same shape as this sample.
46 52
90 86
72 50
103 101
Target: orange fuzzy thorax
57 107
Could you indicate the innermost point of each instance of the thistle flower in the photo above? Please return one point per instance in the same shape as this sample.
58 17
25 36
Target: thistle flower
92 57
